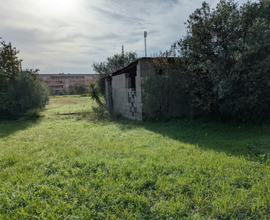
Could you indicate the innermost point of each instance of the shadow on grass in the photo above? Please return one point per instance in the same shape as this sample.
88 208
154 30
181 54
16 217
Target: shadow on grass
250 141
10 126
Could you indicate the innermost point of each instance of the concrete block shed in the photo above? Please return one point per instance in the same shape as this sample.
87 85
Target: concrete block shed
124 92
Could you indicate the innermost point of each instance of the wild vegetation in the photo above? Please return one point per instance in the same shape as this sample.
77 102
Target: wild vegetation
20 90
226 54
94 94
223 64
68 166
75 89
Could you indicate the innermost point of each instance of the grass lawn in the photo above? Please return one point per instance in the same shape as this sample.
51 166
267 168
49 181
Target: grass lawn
72 167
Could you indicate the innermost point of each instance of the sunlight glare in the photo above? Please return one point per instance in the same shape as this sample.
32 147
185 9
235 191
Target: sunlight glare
59 7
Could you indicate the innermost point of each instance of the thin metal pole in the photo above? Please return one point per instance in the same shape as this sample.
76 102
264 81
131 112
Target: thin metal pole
145 47
145 35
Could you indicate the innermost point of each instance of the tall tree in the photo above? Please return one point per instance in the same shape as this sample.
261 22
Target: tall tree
197 49
9 63
226 53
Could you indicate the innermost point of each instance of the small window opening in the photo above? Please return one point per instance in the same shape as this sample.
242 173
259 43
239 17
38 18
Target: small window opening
159 72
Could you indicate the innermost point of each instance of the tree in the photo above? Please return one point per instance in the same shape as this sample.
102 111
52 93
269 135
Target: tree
9 63
111 65
226 56
95 95
77 88
20 91
61 93
33 72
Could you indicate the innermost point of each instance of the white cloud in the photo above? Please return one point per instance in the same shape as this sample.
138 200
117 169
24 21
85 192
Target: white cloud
69 35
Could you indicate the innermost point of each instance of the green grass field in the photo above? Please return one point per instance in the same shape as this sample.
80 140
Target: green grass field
74 167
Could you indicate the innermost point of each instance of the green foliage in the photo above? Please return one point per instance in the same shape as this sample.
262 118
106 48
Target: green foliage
71 90
33 72
111 65
9 64
61 93
227 59
77 89
58 167
3 81
25 92
20 91
94 94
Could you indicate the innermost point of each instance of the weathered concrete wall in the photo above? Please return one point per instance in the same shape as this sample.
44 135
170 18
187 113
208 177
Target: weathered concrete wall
125 99
139 90
108 91
180 106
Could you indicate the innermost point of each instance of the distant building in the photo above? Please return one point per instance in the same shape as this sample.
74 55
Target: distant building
58 82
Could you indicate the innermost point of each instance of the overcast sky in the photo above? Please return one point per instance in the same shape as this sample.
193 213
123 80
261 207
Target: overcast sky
69 35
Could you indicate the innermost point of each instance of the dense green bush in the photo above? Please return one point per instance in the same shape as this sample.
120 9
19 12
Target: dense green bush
77 89
71 91
61 93
227 59
20 91
23 93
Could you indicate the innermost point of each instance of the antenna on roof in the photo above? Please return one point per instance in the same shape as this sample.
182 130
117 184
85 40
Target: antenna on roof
145 35
122 49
